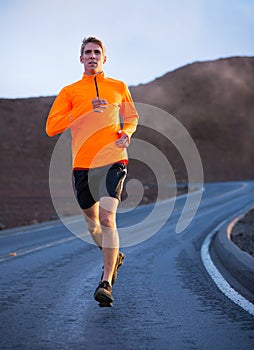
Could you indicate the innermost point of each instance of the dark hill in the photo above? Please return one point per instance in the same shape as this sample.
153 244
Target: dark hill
215 102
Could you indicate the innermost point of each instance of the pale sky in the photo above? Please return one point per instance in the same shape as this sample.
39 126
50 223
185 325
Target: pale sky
40 39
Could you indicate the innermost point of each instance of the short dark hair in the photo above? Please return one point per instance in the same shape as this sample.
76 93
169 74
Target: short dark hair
91 39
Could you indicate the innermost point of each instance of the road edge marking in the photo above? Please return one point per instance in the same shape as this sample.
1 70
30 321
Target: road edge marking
217 277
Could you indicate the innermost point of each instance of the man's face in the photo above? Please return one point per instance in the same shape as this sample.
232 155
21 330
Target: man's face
93 59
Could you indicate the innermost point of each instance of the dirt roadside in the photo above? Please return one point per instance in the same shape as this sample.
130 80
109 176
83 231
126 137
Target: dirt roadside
243 233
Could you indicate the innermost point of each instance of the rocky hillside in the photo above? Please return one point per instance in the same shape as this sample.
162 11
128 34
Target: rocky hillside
213 100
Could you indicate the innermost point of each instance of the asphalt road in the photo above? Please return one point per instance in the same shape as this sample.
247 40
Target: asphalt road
164 297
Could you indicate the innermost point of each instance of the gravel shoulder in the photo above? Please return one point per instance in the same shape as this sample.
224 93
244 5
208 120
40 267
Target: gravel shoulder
243 233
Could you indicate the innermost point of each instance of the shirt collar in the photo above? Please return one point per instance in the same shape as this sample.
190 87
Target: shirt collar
98 76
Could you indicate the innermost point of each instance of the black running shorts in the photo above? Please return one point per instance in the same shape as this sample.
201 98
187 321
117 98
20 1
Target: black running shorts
92 184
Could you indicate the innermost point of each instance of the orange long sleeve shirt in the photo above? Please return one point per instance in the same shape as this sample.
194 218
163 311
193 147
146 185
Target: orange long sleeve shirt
94 134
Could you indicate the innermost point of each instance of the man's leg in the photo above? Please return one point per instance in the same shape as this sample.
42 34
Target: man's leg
110 238
93 224
101 223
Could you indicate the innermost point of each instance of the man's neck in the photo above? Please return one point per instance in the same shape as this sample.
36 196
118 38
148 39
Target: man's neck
93 73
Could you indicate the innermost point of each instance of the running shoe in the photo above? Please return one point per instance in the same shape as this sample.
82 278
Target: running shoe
119 262
103 294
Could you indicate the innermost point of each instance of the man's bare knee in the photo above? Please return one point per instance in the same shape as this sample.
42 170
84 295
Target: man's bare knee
92 219
107 218
107 212
107 221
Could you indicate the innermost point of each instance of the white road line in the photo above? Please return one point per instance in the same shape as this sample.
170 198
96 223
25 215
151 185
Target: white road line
48 245
19 231
219 280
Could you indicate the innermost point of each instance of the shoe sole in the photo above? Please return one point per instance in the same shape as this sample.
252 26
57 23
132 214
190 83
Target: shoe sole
103 298
105 305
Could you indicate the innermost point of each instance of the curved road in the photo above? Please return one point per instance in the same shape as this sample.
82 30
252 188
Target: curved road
164 297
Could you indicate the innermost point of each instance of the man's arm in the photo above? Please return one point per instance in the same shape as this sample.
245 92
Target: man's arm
60 116
129 115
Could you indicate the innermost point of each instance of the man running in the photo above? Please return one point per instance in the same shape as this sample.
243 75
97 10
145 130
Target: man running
92 108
